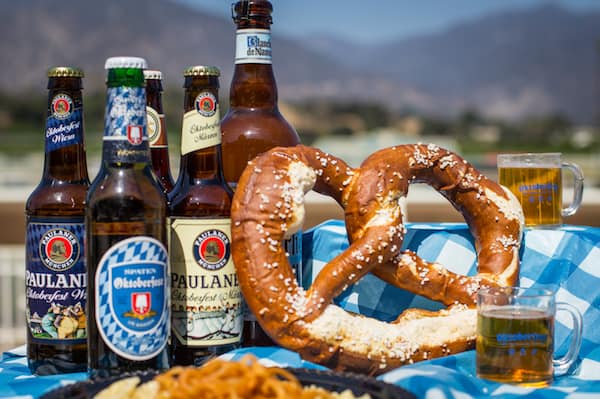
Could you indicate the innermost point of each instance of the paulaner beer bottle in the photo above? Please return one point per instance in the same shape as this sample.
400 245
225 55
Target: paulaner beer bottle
157 129
206 297
55 262
128 292
253 123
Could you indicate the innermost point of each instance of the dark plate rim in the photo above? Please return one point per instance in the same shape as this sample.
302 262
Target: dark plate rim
334 381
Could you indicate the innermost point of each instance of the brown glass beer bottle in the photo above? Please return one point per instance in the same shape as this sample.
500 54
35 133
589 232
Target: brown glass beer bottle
55 263
128 292
206 300
253 123
157 130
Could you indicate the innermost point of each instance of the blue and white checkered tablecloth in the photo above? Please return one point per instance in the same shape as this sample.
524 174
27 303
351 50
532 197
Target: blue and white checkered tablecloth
566 260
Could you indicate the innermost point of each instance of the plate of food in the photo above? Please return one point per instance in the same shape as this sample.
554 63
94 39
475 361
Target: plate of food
246 378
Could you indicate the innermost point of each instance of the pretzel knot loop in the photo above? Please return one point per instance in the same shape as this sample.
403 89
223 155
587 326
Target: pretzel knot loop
268 206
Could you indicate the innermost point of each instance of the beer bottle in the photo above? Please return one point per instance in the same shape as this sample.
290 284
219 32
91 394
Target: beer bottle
55 262
205 293
128 293
157 129
253 123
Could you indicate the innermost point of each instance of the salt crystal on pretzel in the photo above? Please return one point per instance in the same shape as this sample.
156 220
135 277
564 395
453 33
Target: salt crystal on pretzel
268 206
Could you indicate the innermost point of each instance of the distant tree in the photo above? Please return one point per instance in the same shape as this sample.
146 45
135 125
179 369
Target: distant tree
308 136
374 115
26 110
469 117
342 131
540 128
436 126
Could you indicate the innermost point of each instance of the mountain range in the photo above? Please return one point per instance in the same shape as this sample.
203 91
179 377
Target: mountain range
510 64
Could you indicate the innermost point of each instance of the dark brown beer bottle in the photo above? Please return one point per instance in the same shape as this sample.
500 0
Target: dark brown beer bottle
157 130
55 262
253 123
128 295
205 295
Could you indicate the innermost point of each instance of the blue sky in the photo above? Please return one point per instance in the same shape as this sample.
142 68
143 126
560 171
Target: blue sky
377 20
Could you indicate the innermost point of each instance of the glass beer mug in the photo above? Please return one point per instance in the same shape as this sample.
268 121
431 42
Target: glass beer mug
515 336
536 181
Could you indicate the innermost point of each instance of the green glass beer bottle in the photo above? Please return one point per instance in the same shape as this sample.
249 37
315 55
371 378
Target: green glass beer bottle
55 263
205 293
128 295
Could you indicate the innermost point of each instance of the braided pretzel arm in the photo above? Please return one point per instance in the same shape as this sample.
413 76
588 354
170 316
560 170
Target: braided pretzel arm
279 181
492 213
268 207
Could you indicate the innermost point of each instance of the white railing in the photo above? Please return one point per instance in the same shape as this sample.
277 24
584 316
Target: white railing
12 296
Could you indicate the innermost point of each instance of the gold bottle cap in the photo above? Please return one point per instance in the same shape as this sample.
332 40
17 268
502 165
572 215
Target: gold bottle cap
152 74
202 70
65 72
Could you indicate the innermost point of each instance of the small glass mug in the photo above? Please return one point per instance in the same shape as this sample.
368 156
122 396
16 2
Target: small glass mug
536 180
515 336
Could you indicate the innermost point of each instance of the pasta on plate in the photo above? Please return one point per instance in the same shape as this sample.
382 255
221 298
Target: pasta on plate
219 378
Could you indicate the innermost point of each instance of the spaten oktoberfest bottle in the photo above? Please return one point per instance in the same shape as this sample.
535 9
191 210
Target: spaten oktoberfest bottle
128 293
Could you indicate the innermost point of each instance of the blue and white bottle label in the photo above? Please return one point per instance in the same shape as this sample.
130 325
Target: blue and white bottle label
125 137
132 298
64 124
56 280
253 46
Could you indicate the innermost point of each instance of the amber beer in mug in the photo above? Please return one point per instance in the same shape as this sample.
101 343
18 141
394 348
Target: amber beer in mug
536 181
515 336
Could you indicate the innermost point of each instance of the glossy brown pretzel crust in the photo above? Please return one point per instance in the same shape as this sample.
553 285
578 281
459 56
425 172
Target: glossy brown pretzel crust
268 207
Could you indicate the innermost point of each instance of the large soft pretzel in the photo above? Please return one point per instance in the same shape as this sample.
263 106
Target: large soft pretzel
268 206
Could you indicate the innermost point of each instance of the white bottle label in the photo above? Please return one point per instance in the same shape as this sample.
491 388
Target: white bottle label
155 126
206 296
201 126
253 46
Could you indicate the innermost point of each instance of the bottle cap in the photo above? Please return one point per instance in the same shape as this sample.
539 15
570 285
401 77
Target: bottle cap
125 62
65 72
152 74
202 70
244 10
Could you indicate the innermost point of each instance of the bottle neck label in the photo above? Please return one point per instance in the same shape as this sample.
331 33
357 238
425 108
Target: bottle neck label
253 46
157 134
132 298
64 124
56 280
293 250
125 138
206 299
201 126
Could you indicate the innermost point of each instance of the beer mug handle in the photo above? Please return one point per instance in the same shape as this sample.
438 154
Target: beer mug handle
577 189
562 364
